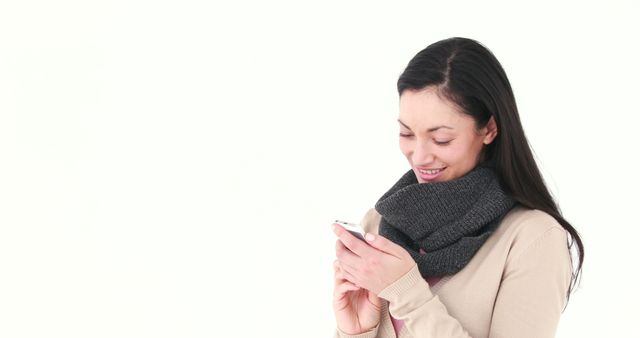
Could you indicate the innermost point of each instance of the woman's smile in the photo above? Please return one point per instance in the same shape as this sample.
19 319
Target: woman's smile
429 174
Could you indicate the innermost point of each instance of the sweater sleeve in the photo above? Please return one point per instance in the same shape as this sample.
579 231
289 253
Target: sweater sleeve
369 334
424 315
528 304
533 289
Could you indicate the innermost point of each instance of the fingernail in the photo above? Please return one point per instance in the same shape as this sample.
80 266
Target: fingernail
369 236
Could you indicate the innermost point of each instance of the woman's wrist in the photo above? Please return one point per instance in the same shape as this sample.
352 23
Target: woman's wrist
411 280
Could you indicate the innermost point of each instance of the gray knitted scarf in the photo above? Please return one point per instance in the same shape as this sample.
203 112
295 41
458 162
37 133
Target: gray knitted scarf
449 220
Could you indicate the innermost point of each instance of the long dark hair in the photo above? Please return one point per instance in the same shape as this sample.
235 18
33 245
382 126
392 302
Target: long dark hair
467 74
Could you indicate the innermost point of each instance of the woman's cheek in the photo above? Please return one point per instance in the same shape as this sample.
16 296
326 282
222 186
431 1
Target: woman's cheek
405 147
452 154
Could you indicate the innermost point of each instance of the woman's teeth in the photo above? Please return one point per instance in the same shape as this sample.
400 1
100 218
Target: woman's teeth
430 171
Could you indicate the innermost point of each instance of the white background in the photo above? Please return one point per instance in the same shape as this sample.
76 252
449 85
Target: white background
172 168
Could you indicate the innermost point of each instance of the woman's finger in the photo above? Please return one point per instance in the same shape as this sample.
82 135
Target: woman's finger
345 256
349 276
345 286
383 244
355 245
337 273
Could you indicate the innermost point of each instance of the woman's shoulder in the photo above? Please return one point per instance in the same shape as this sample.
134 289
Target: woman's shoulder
523 228
526 222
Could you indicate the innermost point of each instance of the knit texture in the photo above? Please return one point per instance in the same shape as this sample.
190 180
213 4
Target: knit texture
449 220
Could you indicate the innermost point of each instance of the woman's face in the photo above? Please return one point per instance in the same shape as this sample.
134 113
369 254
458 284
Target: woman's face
439 141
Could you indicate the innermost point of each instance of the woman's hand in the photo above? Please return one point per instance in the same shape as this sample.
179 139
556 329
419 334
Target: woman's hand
357 310
373 265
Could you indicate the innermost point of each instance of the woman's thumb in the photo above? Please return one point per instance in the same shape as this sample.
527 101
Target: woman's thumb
381 243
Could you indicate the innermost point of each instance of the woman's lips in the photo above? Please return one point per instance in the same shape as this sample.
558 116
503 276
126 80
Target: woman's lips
427 176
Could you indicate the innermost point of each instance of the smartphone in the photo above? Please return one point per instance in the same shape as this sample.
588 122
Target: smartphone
353 228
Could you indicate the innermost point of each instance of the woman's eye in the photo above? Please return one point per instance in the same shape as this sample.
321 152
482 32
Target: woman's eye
441 143
405 135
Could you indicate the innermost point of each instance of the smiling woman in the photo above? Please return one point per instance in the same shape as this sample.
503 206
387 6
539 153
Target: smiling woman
447 143
469 241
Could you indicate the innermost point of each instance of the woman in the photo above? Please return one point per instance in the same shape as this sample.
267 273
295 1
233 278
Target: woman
469 241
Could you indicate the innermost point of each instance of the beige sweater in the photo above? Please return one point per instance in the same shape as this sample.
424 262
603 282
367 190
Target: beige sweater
515 286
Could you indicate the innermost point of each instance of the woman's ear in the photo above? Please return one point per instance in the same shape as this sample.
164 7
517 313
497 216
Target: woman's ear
491 131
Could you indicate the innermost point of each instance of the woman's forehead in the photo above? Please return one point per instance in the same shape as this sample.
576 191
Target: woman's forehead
426 111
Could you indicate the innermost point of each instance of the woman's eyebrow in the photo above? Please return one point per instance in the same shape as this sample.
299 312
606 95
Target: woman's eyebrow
432 129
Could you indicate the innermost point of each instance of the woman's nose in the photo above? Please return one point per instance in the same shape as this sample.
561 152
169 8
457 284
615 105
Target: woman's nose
423 154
